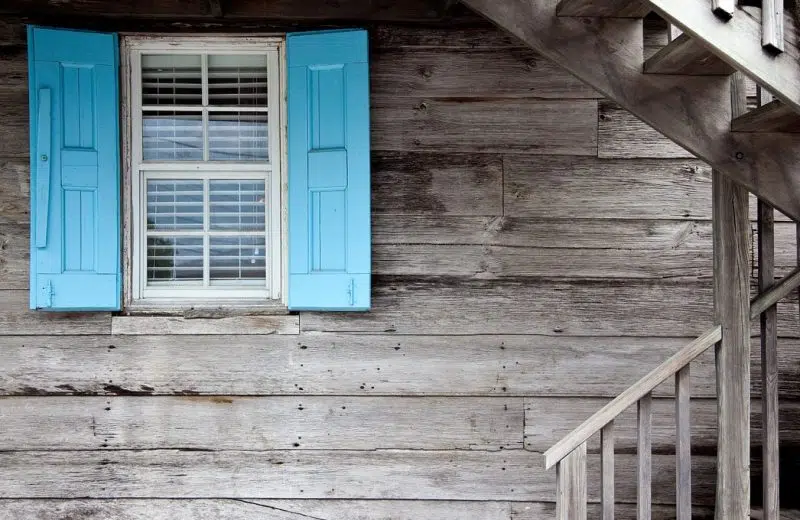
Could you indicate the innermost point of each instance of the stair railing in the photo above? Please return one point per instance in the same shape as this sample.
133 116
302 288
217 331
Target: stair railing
569 454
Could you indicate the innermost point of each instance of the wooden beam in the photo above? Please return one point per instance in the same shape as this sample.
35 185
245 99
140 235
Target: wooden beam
571 482
769 365
772 25
775 293
607 8
607 55
775 116
685 55
731 231
739 43
723 8
216 8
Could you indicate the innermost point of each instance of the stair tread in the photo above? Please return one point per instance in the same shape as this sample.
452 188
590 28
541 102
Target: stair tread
786 514
775 116
607 8
685 55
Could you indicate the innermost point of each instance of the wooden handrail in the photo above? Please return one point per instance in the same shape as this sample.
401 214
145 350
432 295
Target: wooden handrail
774 294
630 396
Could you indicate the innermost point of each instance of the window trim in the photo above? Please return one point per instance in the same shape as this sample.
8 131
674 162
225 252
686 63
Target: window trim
131 48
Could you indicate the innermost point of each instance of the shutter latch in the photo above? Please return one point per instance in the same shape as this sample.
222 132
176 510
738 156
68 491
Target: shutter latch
351 292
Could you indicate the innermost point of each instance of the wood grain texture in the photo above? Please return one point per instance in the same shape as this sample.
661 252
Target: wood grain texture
382 474
219 423
548 420
574 187
776 290
14 256
17 319
15 195
686 55
639 392
732 312
176 326
607 471
332 364
467 72
615 8
644 457
683 444
772 13
571 487
775 116
485 125
623 135
437 184
607 54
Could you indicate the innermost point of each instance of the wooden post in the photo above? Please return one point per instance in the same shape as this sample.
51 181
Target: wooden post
607 473
683 445
571 494
644 458
731 229
769 363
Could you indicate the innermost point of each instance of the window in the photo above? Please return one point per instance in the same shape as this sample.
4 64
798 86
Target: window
205 179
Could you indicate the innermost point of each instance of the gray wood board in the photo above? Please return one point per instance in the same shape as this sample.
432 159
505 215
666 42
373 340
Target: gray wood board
17 319
220 423
391 474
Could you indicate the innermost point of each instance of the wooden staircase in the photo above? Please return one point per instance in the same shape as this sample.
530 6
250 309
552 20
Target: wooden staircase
692 92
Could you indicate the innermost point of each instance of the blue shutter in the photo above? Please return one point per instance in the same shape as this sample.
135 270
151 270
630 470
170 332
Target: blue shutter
329 170
75 195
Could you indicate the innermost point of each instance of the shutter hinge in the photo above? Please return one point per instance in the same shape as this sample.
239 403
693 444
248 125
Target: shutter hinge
47 294
351 292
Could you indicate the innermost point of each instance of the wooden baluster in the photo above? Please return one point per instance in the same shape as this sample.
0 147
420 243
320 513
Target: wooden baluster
724 8
644 457
772 25
683 446
769 363
571 494
607 474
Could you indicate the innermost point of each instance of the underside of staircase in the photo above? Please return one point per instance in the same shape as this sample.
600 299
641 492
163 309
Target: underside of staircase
692 91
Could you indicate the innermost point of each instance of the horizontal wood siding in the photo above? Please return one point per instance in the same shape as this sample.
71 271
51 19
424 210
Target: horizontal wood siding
536 250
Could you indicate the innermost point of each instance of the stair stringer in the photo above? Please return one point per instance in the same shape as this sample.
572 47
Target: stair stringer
692 111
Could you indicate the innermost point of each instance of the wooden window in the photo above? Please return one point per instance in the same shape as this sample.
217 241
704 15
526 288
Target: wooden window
205 180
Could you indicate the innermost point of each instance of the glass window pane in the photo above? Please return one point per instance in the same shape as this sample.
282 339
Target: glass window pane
238 258
171 79
238 136
237 80
237 205
174 259
172 136
174 205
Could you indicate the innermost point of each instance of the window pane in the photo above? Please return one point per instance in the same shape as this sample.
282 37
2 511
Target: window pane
171 79
237 80
238 258
171 259
237 205
237 136
172 136
174 205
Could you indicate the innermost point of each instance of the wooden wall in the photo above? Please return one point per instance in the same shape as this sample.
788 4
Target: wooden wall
536 250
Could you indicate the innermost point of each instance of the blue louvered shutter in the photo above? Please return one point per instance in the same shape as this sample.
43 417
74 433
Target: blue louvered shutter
329 171
75 195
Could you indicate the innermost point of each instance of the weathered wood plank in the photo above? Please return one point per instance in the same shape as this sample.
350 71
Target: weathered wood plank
686 55
17 319
607 471
566 127
614 8
548 420
644 457
176 325
15 195
732 313
683 444
333 364
573 187
607 54
344 365
571 486
772 25
479 35
623 135
391 474
422 183
261 423
237 509
404 306
471 73
775 291
14 256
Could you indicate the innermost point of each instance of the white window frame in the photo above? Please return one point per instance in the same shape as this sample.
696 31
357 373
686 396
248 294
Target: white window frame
137 293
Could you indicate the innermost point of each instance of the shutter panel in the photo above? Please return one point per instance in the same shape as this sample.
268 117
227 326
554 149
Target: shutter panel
75 195
329 170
